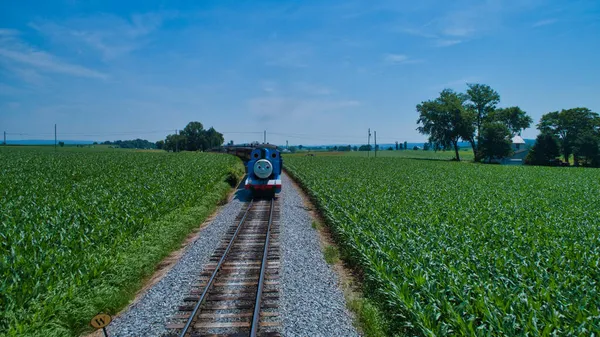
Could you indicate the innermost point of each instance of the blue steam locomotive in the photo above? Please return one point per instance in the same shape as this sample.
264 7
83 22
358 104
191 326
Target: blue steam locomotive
264 170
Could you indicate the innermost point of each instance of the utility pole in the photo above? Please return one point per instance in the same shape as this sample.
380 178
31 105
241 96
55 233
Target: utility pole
287 144
176 140
375 143
369 144
54 137
4 138
265 137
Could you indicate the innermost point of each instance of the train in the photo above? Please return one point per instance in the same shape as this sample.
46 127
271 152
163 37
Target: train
263 164
264 170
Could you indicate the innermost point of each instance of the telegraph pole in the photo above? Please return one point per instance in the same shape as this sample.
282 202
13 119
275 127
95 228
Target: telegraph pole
265 137
4 138
54 137
369 144
375 143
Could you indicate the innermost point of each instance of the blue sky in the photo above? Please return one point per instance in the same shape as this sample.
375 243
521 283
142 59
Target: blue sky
308 72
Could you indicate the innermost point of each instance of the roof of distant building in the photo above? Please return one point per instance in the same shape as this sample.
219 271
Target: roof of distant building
518 140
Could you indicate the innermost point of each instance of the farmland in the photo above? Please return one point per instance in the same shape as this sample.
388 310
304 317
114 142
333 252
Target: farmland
452 248
79 230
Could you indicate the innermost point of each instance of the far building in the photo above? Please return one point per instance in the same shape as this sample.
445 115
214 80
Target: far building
520 150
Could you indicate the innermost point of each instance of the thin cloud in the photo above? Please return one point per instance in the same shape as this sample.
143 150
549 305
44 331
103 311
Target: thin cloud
544 23
392 59
111 35
47 62
446 43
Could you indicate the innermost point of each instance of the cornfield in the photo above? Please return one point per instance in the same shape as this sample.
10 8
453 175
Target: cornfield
465 249
78 230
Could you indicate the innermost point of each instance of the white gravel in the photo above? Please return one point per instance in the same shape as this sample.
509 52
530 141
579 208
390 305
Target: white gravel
148 316
311 302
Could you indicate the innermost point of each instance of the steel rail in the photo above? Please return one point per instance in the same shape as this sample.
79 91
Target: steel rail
214 274
263 270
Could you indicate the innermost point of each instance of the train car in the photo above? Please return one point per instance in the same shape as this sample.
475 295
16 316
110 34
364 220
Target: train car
264 170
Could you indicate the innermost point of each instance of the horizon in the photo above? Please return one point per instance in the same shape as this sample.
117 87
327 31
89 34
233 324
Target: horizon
310 73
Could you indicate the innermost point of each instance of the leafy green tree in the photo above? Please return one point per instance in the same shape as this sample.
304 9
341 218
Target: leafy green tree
544 151
586 149
495 141
61 144
445 121
515 119
365 148
568 125
160 144
482 100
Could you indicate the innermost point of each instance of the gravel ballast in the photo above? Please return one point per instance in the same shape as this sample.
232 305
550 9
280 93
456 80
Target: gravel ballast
311 303
149 315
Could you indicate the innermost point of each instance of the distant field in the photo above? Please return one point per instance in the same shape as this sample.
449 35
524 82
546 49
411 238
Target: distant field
466 249
465 154
80 228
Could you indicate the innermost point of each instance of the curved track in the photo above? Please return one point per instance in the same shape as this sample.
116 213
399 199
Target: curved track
237 292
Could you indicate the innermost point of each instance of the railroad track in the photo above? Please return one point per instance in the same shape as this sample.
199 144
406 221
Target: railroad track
237 292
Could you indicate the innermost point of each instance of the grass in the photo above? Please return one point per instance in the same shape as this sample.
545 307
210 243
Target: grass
81 231
458 249
331 254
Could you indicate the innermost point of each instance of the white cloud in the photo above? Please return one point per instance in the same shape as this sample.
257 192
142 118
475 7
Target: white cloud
544 22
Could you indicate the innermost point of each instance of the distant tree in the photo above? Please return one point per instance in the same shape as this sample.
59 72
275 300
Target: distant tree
426 147
405 146
390 148
292 149
586 149
160 144
482 100
95 143
495 141
61 144
568 125
544 151
377 147
300 147
445 121
515 119
355 148
396 145
230 143
365 148
415 148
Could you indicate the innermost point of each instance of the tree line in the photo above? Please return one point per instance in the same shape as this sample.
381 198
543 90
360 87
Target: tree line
132 144
192 138
473 117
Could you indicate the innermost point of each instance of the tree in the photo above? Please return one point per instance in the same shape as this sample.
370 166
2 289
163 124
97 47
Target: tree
365 148
355 148
61 144
396 145
544 151
405 145
586 149
495 141
95 143
482 101
160 144
300 147
445 121
515 119
568 125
